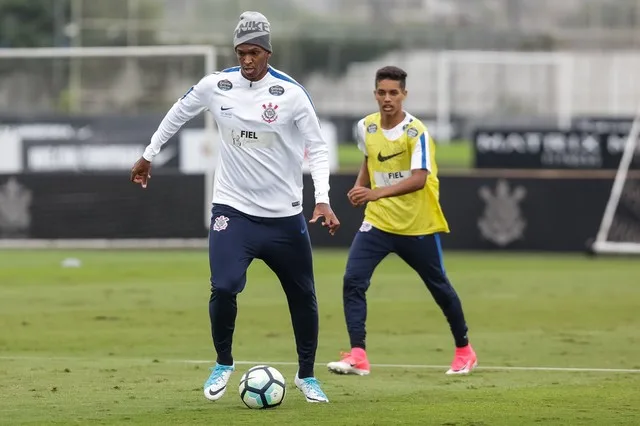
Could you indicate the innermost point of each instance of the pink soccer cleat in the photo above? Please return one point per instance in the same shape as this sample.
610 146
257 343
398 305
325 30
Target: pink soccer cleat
354 362
464 361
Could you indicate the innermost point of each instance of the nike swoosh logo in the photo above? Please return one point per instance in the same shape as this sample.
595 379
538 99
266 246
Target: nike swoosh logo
383 158
303 230
212 393
315 399
225 108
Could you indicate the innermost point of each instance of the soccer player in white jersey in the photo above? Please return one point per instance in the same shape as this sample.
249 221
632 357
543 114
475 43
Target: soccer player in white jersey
398 181
266 120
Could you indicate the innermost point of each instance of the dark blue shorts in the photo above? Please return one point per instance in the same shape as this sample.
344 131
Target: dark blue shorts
370 245
236 238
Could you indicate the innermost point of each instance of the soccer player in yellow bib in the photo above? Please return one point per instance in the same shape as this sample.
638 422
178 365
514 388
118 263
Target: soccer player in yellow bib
398 183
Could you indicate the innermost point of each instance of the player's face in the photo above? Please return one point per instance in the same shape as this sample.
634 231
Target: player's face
253 61
389 96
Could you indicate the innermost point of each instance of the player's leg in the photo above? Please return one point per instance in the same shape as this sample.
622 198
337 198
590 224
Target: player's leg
369 247
230 253
424 255
287 251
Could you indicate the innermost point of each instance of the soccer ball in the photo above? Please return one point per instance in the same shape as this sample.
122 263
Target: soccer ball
262 387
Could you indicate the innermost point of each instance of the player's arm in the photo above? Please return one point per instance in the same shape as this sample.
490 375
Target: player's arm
420 169
363 178
308 124
413 183
188 106
356 195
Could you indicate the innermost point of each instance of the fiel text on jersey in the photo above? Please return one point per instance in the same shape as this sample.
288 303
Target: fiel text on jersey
247 134
397 175
244 137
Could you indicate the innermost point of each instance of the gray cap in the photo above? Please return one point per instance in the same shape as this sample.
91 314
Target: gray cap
253 28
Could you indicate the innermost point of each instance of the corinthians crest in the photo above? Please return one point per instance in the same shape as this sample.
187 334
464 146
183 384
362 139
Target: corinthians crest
269 114
502 222
15 200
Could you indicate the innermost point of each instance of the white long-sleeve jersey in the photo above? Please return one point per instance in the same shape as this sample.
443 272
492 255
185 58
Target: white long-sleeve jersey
264 129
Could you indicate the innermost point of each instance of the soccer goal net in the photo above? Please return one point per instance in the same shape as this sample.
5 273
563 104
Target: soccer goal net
90 110
99 80
619 231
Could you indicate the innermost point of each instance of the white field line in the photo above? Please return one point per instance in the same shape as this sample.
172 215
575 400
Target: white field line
320 364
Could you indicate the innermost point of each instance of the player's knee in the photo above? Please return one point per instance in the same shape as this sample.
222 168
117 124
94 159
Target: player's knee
221 295
353 280
442 291
307 293
302 298
309 302
227 287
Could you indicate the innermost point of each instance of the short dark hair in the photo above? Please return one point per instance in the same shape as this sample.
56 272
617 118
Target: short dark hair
392 73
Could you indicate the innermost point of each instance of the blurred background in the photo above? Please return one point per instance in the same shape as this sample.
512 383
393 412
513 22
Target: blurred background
532 106
530 103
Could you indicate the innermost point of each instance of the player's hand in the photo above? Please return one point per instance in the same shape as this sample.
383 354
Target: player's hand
351 198
360 195
330 219
141 172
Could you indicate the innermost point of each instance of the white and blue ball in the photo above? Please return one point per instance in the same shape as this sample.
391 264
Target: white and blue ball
262 387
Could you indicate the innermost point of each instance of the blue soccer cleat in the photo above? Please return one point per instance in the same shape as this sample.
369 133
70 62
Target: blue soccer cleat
216 384
310 387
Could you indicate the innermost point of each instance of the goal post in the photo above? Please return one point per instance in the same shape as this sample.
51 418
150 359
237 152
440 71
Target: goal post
499 84
109 51
100 81
619 231
80 53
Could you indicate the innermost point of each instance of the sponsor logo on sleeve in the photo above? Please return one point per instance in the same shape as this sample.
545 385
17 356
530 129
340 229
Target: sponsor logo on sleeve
276 90
225 85
412 132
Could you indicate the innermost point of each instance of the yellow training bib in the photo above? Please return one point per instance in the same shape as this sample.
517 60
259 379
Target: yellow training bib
391 161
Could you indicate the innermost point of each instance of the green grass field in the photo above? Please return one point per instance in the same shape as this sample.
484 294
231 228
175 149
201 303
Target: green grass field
125 340
455 155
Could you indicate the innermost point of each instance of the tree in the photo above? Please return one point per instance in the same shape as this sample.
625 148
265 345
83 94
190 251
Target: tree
33 23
